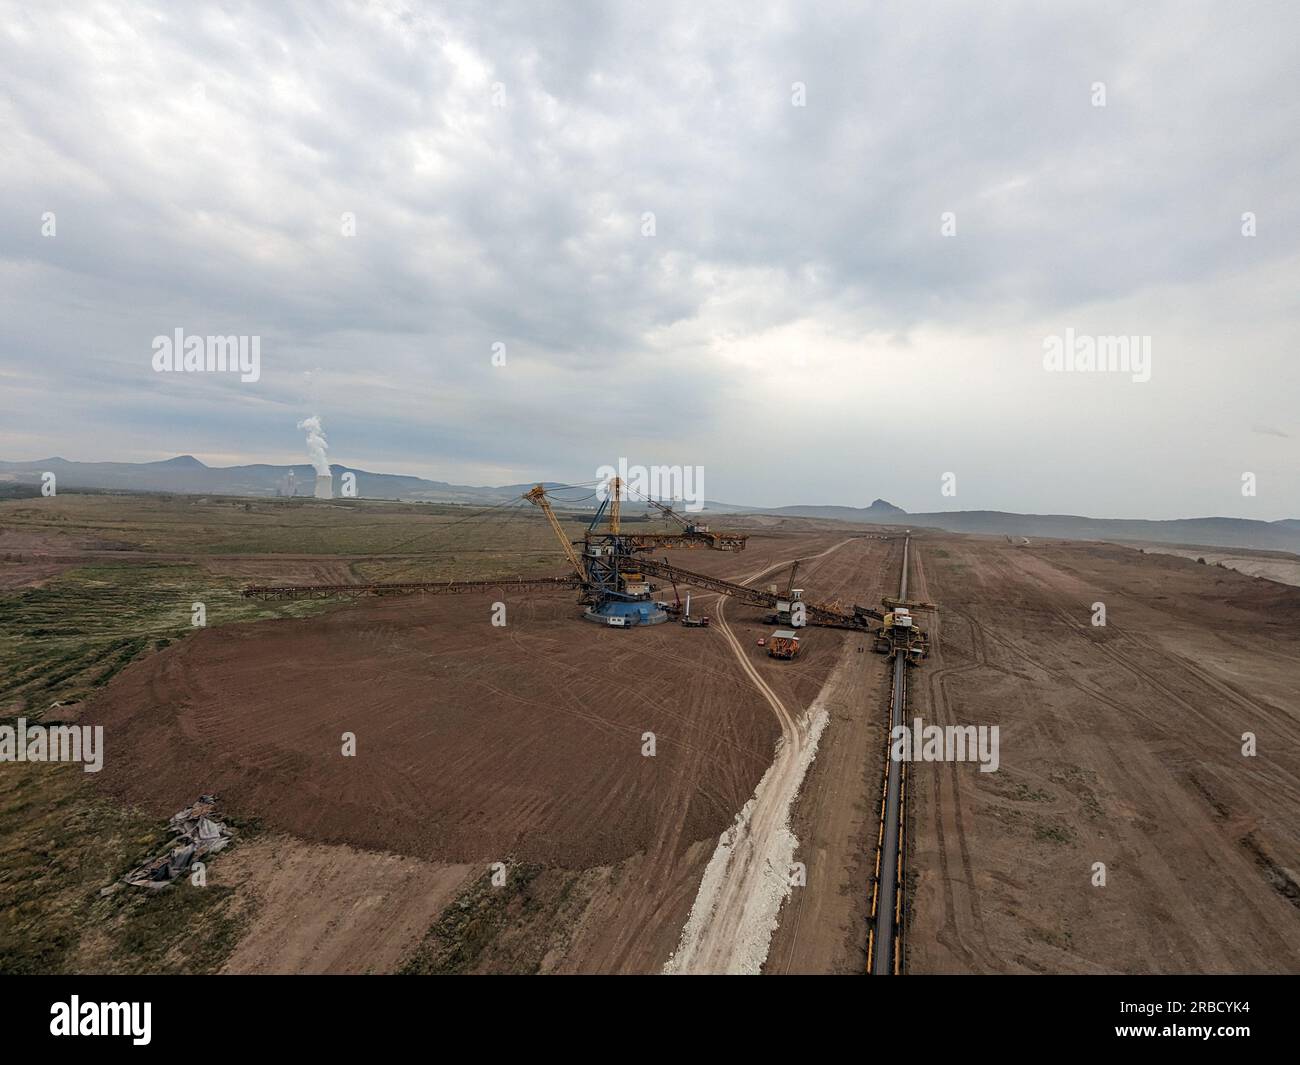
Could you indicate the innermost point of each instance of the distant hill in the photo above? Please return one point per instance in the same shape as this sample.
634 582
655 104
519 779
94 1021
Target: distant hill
1283 535
187 475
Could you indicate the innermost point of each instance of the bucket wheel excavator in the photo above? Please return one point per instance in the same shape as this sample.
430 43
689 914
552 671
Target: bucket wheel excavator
611 570
617 592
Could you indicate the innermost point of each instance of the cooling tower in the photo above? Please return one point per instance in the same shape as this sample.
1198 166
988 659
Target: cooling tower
324 486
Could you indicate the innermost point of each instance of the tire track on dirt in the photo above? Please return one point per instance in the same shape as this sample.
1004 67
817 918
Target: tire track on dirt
882 580
731 922
951 809
1133 726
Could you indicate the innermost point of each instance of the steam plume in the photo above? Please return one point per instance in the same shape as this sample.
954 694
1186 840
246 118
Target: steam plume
316 444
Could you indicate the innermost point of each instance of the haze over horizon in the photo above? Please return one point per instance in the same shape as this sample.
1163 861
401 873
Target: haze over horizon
797 323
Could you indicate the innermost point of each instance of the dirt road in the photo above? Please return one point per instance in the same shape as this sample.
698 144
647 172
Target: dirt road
823 926
748 878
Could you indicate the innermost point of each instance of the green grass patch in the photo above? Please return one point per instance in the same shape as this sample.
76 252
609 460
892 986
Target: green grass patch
469 926
205 525
66 639
1052 832
62 843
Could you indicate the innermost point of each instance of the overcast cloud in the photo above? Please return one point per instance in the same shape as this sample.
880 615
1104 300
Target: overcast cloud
797 324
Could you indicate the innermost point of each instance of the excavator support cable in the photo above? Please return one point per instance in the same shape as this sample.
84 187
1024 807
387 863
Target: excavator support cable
537 496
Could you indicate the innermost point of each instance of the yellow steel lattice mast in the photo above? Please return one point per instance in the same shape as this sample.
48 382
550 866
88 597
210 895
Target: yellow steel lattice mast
537 496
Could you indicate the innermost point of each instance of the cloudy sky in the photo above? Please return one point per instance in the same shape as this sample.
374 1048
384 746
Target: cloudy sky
705 234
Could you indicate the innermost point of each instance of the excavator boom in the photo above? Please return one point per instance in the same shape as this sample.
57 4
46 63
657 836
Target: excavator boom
719 541
893 602
816 614
537 496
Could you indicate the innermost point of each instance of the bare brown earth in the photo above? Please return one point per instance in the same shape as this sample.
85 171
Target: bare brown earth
15 575
478 744
823 925
332 909
1120 745
30 557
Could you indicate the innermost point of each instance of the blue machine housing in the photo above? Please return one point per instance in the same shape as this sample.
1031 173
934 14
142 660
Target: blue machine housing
605 556
626 612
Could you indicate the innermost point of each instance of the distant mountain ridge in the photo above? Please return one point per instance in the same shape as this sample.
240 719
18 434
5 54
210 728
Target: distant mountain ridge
187 475
1246 533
